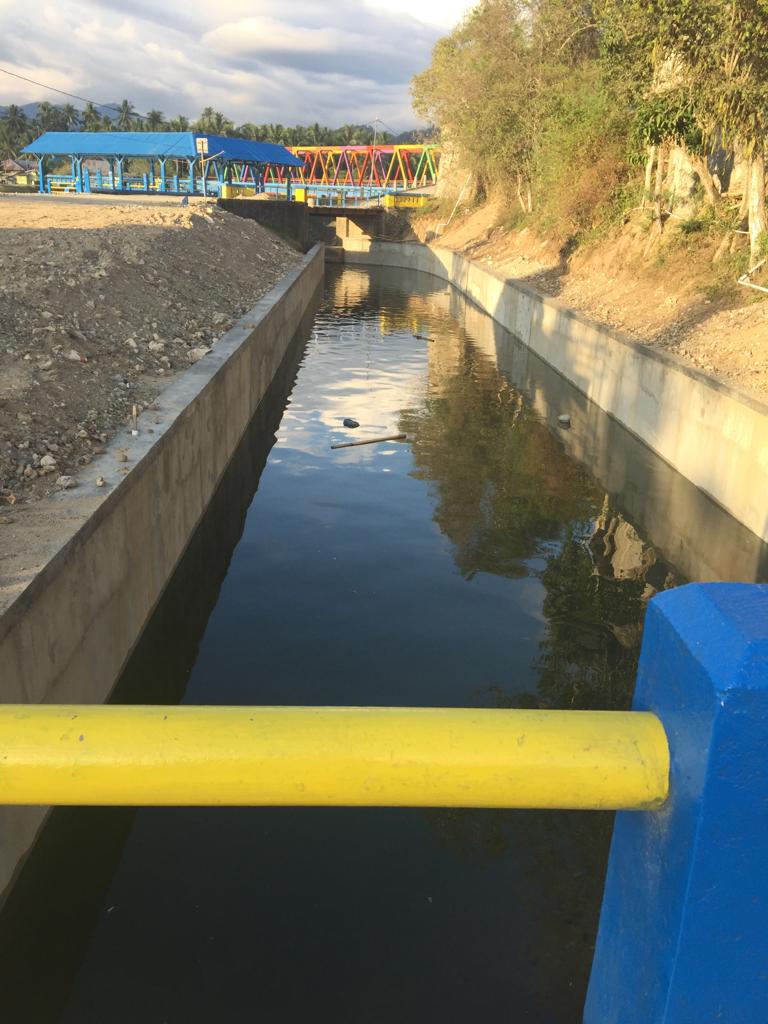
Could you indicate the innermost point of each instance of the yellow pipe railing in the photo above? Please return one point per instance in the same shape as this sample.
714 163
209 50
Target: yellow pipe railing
418 757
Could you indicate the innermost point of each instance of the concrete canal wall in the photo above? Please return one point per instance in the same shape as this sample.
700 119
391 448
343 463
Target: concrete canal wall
66 636
710 433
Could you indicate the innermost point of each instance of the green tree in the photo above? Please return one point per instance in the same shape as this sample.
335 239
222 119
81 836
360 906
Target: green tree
16 131
47 118
91 118
255 132
125 116
215 122
178 124
71 116
8 142
154 120
714 55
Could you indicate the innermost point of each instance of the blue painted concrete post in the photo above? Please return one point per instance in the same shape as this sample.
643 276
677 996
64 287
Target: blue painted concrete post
163 183
41 174
684 927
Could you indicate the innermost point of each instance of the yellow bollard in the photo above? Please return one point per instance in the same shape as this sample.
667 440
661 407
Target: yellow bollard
399 757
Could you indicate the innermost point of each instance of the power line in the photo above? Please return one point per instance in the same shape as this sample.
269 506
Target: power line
71 95
377 120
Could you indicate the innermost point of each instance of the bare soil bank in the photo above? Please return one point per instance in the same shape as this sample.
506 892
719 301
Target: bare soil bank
663 291
101 304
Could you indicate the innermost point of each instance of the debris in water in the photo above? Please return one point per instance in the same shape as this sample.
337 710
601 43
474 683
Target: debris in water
349 422
422 337
371 440
564 420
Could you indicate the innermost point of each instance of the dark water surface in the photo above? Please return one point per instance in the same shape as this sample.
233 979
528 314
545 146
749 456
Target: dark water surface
490 561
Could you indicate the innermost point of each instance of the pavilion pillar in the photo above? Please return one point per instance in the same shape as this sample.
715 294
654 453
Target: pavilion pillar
41 174
119 171
162 174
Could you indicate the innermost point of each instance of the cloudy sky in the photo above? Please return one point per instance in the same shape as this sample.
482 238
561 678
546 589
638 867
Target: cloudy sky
287 61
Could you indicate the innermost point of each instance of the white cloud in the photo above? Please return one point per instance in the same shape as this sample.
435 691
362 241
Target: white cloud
332 61
445 13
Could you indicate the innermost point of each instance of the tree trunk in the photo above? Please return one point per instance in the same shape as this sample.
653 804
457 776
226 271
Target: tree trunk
659 187
530 198
649 175
758 221
707 182
520 193
743 221
744 208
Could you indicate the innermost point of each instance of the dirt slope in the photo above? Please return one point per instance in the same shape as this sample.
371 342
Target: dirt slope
662 290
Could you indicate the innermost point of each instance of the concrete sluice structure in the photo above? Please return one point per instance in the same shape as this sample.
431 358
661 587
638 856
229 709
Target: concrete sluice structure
685 883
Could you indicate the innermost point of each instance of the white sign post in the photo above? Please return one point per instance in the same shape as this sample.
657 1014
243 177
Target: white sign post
201 146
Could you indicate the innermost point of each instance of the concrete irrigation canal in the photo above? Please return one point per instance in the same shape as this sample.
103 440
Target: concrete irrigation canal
494 558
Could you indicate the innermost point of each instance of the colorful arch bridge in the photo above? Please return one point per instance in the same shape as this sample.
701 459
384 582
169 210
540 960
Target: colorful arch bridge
404 166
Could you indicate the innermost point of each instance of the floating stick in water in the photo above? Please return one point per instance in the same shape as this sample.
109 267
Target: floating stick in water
371 440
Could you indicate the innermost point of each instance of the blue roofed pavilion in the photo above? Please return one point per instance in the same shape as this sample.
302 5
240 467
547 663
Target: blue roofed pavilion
191 163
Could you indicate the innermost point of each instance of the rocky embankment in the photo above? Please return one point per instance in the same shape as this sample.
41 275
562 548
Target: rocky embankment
100 306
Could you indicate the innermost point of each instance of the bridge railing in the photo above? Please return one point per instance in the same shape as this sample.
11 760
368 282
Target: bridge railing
682 937
397 757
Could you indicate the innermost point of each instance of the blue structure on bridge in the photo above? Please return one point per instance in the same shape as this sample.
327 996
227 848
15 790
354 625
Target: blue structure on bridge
176 163
683 936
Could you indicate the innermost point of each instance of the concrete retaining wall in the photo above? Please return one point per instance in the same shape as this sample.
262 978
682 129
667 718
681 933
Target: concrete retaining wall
289 220
68 634
710 433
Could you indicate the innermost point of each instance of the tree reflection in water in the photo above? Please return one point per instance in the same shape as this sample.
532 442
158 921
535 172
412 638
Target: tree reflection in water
513 504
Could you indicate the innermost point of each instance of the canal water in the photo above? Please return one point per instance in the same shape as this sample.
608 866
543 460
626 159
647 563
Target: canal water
490 560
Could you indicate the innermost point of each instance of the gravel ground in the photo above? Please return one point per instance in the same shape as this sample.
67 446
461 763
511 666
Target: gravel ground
101 304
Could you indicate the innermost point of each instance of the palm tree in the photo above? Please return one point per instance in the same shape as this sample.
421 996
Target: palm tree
179 124
16 120
276 133
125 114
154 120
91 118
8 144
71 116
46 116
204 120
349 135
248 130
215 122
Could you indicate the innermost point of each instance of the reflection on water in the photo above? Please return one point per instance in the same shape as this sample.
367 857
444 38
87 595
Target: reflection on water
480 564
